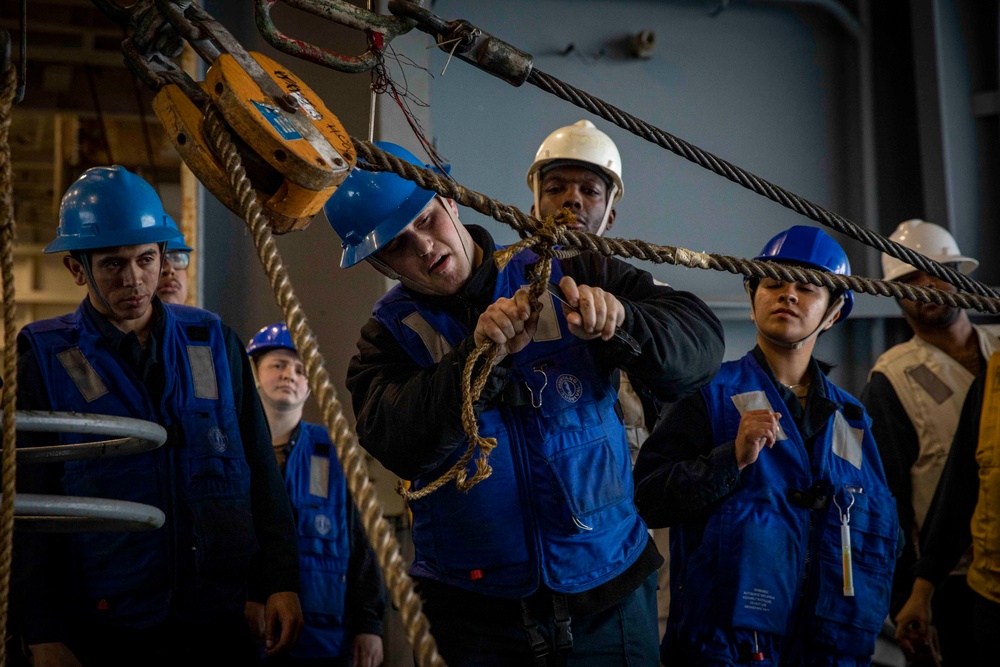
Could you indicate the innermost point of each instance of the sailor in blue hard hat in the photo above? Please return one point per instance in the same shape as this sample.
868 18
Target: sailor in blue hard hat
114 228
765 477
342 574
284 393
407 233
550 542
228 533
811 248
173 285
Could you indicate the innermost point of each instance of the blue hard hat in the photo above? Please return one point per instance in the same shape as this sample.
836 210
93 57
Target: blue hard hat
178 243
813 248
371 207
109 207
272 337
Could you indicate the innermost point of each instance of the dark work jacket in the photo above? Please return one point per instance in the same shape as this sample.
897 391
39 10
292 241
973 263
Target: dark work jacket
760 561
210 479
409 414
557 509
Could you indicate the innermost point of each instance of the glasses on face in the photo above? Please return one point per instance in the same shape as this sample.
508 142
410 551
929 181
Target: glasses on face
179 259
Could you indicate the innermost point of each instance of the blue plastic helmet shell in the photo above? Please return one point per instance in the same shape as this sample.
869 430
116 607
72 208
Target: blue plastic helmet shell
272 337
178 243
108 207
813 248
370 208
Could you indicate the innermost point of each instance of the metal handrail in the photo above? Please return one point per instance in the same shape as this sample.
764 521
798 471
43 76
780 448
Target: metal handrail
70 514
136 435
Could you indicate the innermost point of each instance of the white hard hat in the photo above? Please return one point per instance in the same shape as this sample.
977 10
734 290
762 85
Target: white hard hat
580 142
930 240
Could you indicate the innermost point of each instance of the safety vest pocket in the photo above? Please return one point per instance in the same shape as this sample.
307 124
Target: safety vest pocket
215 460
588 485
101 571
322 533
97 558
567 396
323 587
475 531
760 594
849 623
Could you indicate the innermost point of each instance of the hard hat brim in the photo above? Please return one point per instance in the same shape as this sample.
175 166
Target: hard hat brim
540 166
966 265
845 310
268 347
158 234
390 228
174 244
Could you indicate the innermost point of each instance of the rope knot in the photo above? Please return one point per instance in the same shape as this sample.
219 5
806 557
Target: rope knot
543 239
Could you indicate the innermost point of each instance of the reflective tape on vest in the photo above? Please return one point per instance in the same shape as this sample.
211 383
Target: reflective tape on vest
83 374
203 372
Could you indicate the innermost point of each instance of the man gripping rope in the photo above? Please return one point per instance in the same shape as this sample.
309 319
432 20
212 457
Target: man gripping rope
546 559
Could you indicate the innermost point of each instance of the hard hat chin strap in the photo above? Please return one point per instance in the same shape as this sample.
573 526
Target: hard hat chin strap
831 314
85 260
536 188
382 267
607 210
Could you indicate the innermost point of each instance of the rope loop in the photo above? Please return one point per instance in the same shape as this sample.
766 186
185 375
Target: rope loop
542 241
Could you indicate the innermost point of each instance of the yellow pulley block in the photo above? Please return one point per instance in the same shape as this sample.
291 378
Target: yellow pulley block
294 149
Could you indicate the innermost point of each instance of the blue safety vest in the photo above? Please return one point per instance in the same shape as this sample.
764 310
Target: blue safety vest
318 491
199 478
767 564
558 508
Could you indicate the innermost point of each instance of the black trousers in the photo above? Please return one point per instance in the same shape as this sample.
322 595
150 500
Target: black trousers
175 643
481 631
986 621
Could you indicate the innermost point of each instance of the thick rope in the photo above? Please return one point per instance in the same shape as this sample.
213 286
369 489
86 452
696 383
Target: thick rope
542 243
9 458
345 441
372 158
471 390
653 134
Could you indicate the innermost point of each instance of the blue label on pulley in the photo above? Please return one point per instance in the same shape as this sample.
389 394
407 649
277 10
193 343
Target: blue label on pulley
281 125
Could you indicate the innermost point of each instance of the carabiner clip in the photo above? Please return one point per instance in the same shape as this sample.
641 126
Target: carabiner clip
845 538
540 369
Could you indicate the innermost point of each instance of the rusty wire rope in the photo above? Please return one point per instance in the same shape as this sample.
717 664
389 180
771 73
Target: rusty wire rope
348 451
9 460
516 67
372 158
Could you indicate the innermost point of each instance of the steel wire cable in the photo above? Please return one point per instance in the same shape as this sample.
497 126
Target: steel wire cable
653 134
372 158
